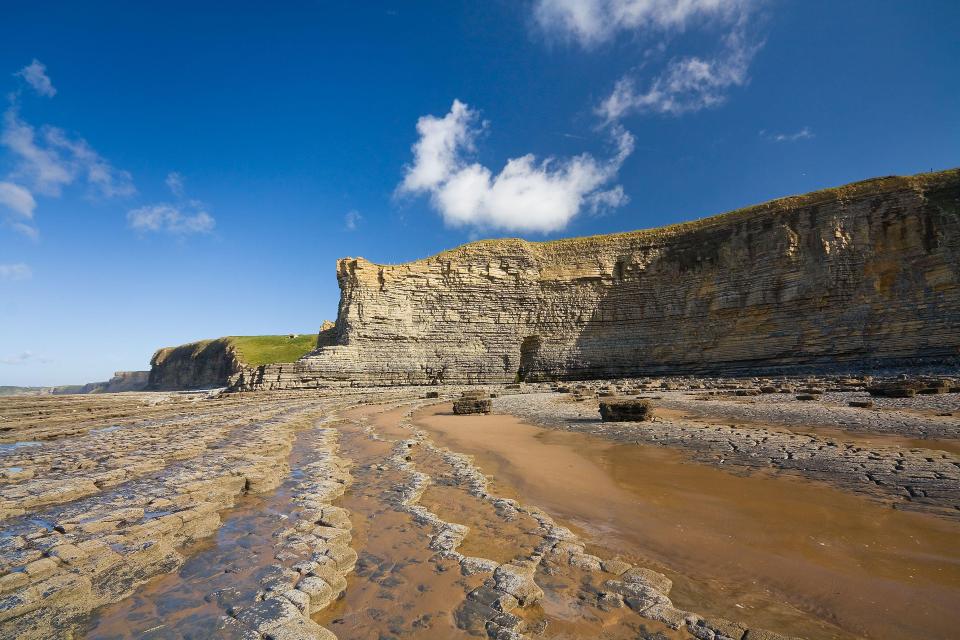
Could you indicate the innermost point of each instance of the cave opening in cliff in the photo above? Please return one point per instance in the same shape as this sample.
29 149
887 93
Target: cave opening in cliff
529 355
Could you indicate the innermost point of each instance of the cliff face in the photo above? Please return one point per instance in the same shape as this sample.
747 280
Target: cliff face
231 361
121 381
197 365
862 275
127 381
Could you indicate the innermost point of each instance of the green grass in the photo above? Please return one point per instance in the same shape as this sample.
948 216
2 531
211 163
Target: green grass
258 350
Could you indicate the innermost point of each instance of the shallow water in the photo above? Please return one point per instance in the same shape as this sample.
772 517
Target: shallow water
775 552
402 589
398 588
13 446
217 573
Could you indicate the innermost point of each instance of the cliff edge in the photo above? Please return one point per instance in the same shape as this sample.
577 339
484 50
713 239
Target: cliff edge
215 363
863 275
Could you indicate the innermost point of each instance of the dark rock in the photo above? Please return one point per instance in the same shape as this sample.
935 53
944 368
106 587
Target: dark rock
472 404
626 410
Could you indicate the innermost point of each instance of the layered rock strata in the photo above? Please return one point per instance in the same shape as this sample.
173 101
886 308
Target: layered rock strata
73 544
862 275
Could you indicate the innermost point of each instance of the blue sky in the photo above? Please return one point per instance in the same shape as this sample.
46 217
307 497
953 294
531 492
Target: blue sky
175 173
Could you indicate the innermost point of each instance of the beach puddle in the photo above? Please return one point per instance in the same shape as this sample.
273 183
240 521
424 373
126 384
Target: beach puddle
492 535
402 588
218 573
774 552
398 588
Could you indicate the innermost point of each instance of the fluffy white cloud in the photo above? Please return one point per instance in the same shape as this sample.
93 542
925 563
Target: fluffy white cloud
526 196
17 271
442 140
44 162
351 220
185 217
54 160
17 199
594 21
803 134
35 74
174 182
687 84
171 219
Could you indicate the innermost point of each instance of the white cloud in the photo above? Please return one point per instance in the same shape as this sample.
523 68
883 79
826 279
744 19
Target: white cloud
100 175
172 219
17 199
26 229
43 167
183 218
526 195
351 220
803 134
687 84
45 162
54 160
23 358
437 152
591 22
35 74
175 183
18 271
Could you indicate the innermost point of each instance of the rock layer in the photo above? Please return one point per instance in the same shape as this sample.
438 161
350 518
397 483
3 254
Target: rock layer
862 275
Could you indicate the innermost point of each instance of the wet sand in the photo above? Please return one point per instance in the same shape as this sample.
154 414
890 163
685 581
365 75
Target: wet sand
380 601
781 553
398 588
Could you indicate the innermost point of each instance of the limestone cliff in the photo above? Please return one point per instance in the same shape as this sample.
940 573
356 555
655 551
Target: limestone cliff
197 365
121 381
218 363
862 275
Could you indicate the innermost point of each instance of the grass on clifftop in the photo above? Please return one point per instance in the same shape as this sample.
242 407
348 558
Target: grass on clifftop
258 350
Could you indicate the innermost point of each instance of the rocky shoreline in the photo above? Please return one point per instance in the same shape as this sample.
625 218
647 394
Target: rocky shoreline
754 431
104 502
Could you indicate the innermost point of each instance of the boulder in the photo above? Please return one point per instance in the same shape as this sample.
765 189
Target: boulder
473 402
626 410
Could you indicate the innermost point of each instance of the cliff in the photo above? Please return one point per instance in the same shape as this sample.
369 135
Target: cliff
214 363
863 275
196 365
121 381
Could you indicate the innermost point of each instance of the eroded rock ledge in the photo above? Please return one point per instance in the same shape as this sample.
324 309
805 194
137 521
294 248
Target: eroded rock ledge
859 276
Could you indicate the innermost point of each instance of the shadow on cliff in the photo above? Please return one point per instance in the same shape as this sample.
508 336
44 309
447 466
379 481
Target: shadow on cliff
869 284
